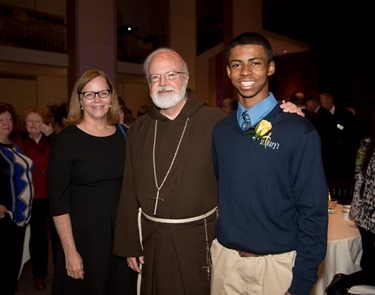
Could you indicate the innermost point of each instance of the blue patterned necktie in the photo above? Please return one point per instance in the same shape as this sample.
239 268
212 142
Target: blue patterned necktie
246 124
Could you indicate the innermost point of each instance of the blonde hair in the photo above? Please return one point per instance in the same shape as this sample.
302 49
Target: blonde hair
75 114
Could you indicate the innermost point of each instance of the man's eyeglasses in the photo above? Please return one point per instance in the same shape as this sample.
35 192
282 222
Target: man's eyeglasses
91 94
168 76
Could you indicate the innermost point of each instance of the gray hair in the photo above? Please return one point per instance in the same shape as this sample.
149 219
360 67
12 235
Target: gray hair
162 50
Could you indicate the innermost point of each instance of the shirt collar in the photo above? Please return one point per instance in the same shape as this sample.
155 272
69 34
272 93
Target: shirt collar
258 111
36 139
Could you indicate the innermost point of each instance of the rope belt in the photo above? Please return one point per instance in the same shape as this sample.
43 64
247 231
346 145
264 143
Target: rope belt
183 220
175 221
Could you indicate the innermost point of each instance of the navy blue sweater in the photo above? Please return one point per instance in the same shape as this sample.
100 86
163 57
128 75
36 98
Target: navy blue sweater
273 199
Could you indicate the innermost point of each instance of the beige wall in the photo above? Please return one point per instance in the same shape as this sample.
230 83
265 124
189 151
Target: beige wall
51 90
31 91
20 92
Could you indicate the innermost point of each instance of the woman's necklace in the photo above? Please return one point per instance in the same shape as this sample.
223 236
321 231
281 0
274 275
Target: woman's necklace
170 166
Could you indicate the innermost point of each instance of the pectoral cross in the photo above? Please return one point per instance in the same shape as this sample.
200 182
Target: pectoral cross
157 199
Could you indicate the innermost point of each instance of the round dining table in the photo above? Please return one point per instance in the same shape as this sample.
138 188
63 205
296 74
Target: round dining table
344 250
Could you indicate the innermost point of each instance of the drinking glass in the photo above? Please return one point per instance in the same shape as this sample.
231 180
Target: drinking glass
332 205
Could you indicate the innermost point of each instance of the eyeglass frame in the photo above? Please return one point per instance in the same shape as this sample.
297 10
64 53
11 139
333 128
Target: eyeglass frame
174 73
95 93
7 121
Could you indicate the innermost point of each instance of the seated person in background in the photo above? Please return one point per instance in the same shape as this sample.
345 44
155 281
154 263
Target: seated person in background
363 213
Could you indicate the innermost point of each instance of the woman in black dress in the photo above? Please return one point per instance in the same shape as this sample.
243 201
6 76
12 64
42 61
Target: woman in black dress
85 177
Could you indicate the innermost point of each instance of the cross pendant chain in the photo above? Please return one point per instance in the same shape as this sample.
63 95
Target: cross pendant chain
208 267
157 199
158 187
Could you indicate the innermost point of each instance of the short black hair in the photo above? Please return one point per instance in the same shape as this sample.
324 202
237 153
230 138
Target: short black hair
249 38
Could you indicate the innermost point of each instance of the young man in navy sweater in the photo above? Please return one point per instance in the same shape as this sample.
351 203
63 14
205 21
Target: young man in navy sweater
272 226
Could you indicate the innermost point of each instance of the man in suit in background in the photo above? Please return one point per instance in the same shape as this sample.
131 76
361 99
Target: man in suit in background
299 99
324 122
346 141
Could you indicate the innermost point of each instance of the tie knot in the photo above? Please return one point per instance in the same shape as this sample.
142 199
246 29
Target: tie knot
245 116
246 121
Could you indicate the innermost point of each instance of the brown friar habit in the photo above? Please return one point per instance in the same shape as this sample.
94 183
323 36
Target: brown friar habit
175 255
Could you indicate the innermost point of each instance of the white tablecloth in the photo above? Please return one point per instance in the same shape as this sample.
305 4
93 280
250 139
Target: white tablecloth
344 251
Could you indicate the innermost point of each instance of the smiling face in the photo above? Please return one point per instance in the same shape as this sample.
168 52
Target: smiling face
248 71
97 107
166 93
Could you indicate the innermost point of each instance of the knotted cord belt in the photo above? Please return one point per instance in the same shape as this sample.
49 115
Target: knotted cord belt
183 220
177 221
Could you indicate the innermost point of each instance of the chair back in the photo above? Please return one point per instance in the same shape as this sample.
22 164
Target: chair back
341 191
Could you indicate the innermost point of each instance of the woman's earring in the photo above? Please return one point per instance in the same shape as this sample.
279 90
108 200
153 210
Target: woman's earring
110 105
82 107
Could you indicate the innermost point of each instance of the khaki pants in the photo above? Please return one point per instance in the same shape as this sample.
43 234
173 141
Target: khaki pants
263 275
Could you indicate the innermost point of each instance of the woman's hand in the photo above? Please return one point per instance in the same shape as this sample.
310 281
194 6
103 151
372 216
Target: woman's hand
74 265
46 129
73 260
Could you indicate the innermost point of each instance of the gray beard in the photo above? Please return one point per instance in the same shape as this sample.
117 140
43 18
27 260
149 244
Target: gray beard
167 101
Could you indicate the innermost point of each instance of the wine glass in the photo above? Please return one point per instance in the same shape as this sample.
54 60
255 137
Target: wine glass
332 205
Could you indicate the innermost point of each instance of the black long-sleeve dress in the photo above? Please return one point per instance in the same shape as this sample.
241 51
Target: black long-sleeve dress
85 178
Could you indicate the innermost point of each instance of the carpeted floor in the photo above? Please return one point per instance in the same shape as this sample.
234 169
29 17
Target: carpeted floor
26 283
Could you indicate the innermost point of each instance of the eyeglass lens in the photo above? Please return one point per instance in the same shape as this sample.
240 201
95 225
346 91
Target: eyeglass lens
91 94
168 76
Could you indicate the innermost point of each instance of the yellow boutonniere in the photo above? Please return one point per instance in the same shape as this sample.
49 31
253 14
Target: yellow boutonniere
261 131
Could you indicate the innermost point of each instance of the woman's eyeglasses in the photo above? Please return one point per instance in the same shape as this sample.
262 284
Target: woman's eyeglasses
91 94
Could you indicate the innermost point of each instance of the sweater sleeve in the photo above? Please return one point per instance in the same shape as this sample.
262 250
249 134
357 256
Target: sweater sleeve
310 190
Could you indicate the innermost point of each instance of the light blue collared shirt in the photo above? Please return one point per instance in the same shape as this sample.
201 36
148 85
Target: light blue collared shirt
258 111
